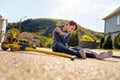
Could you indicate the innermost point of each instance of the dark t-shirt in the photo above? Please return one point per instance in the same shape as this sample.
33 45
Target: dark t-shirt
60 38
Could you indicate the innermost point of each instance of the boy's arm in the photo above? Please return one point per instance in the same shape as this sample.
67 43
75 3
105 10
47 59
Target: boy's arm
56 36
59 30
62 34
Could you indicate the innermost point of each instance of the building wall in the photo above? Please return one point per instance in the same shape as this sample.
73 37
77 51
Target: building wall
3 24
111 26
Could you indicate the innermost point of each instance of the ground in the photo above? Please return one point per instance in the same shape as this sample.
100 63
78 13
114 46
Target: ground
22 65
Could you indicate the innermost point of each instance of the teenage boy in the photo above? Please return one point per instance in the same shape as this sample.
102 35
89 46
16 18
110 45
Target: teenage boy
60 38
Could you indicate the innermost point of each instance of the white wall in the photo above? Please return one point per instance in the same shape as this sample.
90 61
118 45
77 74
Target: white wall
3 24
111 26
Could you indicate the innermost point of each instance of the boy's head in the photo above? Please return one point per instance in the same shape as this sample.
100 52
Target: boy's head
71 26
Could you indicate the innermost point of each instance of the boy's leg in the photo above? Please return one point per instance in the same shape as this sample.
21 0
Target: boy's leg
64 49
81 51
89 54
95 54
100 55
103 55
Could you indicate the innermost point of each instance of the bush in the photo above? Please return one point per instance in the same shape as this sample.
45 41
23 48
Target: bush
48 43
117 41
74 39
108 43
87 38
45 42
101 42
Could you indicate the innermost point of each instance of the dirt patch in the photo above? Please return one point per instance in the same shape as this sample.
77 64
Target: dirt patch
23 65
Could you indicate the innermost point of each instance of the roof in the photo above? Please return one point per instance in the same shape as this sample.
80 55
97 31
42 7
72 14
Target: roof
115 12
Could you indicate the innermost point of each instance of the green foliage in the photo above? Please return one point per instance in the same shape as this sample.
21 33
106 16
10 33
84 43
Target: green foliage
117 41
101 42
45 42
108 43
45 27
48 43
74 39
60 22
87 38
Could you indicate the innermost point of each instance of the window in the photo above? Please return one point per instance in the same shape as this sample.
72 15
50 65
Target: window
118 20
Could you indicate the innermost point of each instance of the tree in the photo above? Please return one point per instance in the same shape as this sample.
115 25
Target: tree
117 41
101 42
74 39
108 43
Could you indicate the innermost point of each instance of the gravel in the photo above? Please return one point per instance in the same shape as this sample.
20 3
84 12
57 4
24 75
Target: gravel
22 65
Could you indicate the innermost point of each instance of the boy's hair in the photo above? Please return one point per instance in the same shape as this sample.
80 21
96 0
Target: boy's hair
72 23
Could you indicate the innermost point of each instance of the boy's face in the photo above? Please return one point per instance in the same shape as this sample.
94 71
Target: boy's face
70 28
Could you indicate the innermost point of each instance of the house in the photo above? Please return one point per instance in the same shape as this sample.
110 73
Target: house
3 24
112 23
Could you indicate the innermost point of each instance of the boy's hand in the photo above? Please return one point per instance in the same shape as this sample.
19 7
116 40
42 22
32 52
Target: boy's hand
59 30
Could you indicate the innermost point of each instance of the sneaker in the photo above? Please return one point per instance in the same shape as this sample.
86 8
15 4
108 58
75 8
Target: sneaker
104 55
82 53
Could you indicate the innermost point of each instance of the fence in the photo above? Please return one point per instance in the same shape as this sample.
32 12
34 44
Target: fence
89 44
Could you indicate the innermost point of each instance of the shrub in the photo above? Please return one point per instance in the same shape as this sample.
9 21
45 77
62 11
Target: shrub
101 42
45 42
74 39
117 41
108 43
87 38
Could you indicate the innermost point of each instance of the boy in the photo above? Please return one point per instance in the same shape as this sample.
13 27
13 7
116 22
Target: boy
60 38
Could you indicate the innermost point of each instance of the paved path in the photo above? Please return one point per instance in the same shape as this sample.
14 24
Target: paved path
23 65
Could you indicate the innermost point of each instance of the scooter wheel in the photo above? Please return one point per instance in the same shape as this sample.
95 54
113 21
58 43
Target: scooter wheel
3 46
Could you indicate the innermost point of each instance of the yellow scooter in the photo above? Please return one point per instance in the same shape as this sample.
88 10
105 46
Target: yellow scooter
16 47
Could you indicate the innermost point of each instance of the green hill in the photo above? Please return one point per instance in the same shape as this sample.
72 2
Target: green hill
45 27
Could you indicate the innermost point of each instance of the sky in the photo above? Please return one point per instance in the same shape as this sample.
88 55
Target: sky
87 13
